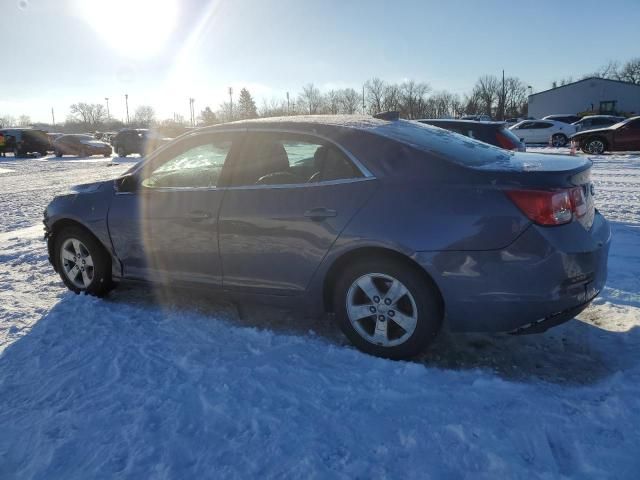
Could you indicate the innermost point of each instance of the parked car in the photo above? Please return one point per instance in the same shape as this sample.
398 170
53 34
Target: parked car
623 136
81 145
389 225
543 131
493 133
477 118
596 121
564 118
22 141
137 140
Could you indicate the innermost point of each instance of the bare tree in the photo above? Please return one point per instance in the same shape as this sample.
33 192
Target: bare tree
275 108
391 98
349 101
413 97
374 89
90 114
630 72
24 121
488 88
332 102
515 101
310 99
7 121
145 116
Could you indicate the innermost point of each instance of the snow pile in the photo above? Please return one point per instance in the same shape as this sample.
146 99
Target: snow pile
127 387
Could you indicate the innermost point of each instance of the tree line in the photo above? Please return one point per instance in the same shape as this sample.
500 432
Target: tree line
490 95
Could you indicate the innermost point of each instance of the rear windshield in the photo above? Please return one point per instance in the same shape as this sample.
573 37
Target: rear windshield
444 143
508 133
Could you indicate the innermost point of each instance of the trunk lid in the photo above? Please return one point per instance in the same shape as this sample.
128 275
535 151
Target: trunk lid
537 171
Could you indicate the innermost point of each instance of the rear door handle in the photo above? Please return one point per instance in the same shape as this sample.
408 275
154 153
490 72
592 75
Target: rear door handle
321 213
198 216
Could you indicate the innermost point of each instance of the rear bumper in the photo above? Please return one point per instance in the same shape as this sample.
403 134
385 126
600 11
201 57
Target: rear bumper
545 275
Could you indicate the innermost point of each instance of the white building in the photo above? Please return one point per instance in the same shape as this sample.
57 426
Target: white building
593 94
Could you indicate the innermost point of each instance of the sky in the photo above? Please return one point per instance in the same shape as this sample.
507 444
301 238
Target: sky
162 52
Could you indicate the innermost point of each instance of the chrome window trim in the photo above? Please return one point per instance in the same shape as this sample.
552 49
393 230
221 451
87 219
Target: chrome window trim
253 187
367 175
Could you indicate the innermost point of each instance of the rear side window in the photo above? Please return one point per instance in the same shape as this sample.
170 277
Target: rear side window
290 159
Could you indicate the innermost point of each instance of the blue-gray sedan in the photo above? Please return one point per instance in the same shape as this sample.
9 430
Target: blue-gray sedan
392 226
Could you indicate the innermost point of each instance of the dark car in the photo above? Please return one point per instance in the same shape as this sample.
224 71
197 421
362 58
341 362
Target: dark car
623 136
596 121
136 140
22 141
392 226
563 118
493 133
81 145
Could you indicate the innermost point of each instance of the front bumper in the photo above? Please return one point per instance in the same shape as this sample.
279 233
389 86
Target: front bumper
547 273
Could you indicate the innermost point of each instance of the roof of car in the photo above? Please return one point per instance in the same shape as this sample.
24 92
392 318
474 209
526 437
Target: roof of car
459 120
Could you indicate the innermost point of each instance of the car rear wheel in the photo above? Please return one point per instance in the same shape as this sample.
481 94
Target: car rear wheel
58 153
17 153
82 262
558 140
122 152
595 146
387 308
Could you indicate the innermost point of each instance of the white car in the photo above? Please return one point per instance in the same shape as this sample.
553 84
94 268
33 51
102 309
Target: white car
544 131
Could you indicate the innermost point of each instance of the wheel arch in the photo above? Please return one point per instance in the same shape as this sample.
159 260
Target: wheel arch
57 226
340 263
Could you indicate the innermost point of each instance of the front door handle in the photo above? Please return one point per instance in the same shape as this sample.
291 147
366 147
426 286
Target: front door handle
318 214
198 216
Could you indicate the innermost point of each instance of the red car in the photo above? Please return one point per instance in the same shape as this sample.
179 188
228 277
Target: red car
623 136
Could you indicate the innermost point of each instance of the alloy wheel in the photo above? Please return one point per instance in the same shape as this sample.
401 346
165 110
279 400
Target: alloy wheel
595 147
558 140
77 263
381 309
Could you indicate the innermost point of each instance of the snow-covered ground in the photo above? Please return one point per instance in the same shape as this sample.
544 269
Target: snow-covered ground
129 387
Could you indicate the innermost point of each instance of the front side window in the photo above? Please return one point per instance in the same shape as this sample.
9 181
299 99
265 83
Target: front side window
289 159
195 165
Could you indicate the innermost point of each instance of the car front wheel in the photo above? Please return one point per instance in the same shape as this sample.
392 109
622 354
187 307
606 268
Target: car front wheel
387 308
82 262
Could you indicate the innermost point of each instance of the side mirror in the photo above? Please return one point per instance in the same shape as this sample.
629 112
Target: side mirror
126 184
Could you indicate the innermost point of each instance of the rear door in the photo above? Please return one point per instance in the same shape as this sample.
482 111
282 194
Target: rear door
167 228
627 137
290 197
525 131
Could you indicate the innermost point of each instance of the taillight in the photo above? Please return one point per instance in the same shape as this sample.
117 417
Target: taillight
545 207
505 142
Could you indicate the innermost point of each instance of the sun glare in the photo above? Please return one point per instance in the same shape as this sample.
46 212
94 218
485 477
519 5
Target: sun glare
135 28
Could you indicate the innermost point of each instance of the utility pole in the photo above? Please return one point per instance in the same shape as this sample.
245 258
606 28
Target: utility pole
126 103
192 111
53 117
108 114
288 105
504 99
363 107
230 103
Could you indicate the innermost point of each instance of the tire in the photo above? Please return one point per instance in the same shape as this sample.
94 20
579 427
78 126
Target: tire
43 153
559 139
17 153
379 332
121 152
595 146
106 155
77 242
58 153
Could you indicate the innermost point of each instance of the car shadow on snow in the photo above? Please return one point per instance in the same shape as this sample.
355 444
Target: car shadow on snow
578 352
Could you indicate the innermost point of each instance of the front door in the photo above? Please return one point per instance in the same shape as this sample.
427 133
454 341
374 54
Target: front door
290 197
167 228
